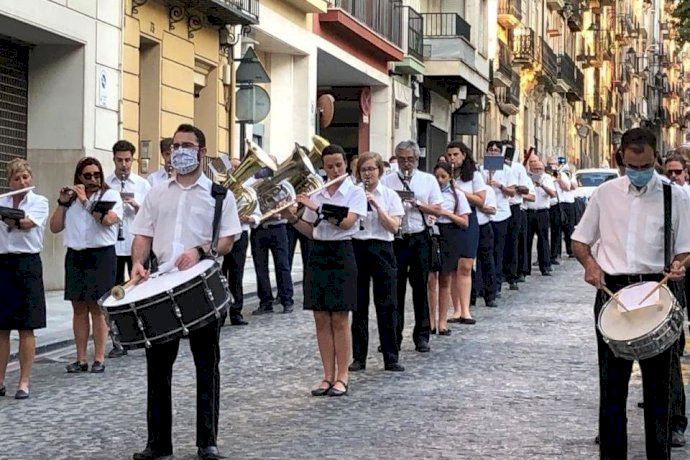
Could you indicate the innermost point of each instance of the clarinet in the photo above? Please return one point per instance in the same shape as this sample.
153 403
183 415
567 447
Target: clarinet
120 227
365 184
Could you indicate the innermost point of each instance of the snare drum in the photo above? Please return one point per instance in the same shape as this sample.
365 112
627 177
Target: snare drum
645 332
168 306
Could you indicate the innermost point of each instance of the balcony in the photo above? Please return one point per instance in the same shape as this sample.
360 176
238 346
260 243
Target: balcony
508 97
445 25
606 99
526 52
374 26
576 8
447 37
591 56
510 13
225 12
577 92
413 43
566 73
549 62
503 76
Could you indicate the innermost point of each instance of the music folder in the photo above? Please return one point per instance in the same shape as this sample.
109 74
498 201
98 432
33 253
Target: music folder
405 195
12 214
493 163
102 207
333 212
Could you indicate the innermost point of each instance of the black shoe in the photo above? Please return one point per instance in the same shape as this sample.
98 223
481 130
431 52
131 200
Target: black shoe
596 440
394 367
77 367
514 287
97 367
546 273
150 454
491 303
3 390
454 320
555 262
335 392
208 453
356 366
238 321
422 347
117 352
521 279
21 394
288 308
468 321
677 438
433 332
444 332
640 404
322 391
263 310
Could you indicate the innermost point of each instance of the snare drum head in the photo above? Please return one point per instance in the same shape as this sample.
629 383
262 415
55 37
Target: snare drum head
160 284
622 326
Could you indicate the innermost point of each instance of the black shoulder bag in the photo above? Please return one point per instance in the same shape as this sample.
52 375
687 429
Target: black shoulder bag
434 245
219 193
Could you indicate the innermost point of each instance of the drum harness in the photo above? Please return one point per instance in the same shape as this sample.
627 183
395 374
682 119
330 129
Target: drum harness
218 192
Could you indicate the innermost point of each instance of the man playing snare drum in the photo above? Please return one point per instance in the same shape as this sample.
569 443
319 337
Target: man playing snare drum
179 213
626 216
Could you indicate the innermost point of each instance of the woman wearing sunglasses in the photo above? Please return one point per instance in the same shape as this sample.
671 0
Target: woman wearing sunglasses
90 263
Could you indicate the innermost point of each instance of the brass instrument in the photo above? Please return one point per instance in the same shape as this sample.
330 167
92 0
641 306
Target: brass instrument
254 160
315 153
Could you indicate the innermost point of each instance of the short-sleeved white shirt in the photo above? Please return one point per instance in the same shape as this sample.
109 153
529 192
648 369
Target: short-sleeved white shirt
348 195
461 208
490 201
30 241
158 177
541 199
522 179
426 190
82 231
506 177
172 213
140 187
391 203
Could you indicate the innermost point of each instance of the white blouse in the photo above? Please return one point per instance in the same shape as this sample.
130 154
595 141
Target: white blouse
83 231
460 209
139 187
347 195
25 241
391 203
476 185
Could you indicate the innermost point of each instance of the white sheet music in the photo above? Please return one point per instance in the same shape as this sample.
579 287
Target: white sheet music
631 296
169 266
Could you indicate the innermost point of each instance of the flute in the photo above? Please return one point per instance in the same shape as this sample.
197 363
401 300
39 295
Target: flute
293 202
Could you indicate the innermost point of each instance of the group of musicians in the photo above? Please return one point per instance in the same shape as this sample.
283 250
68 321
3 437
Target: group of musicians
386 224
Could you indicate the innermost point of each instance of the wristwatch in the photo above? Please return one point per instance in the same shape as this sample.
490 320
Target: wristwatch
201 252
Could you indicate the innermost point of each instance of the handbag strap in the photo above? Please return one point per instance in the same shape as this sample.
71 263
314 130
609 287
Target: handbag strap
668 231
219 193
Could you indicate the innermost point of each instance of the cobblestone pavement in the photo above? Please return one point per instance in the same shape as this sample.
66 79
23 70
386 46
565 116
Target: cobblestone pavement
521 383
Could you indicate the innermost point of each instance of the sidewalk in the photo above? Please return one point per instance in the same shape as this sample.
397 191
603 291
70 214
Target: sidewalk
58 332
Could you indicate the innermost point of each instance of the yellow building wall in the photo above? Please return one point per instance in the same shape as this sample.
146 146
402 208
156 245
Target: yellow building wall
178 57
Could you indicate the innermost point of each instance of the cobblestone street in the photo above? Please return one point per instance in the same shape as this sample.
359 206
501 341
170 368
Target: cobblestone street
521 383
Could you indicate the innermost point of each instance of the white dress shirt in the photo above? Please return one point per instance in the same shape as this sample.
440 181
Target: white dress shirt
426 190
521 178
25 241
391 203
158 177
461 208
176 215
476 185
83 231
541 199
506 177
489 202
629 224
140 187
290 197
686 187
348 195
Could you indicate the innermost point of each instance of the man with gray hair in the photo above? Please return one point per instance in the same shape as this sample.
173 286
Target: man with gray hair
423 198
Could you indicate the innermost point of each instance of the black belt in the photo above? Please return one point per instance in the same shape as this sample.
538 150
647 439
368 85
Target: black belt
537 210
271 225
626 280
412 235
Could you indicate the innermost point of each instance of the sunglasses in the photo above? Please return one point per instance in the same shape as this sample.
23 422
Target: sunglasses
89 176
672 172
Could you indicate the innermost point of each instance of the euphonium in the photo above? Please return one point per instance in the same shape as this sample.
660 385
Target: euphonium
315 153
254 160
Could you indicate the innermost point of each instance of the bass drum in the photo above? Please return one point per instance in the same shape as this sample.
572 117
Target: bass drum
168 306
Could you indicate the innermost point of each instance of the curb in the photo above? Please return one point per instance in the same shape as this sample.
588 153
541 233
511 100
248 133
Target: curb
250 299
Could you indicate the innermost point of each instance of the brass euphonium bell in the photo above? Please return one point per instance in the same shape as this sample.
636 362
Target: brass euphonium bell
315 153
254 160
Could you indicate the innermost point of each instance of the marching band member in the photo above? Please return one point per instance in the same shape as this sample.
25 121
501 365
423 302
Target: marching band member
90 263
21 274
412 250
557 216
181 211
373 246
166 171
453 217
538 216
472 184
133 189
484 278
331 276
626 217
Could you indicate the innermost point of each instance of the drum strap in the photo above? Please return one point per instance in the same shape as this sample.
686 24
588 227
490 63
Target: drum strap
218 192
668 232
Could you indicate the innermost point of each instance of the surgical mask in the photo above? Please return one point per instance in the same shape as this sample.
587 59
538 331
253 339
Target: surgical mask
184 160
639 178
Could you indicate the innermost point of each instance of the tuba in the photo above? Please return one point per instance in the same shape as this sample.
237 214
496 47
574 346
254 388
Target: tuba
315 153
298 170
254 160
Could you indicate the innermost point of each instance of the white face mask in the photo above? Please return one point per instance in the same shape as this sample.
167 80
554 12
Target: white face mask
184 160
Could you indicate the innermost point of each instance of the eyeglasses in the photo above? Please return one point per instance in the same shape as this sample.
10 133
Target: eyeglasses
89 176
406 159
674 172
184 145
371 169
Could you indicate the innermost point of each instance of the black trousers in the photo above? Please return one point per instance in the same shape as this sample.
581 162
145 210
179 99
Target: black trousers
273 238
556 231
233 269
375 261
523 258
679 420
614 377
305 247
484 277
159 364
124 267
412 259
500 230
538 223
568 225
510 250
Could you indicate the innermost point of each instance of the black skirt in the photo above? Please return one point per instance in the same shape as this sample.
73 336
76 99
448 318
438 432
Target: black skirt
470 238
330 282
89 273
450 241
23 305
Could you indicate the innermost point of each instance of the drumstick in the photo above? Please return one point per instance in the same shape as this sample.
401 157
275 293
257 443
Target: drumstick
664 280
614 297
119 292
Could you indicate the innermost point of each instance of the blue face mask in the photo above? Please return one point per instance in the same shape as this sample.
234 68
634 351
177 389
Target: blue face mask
639 178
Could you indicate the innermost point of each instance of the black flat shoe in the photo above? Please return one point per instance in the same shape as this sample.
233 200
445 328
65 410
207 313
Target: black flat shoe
21 394
322 391
444 332
422 347
288 309
514 287
356 366
433 331
77 367
117 353
150 454
468 321
394 367
263 311
455 320
3 390
238 322
208 453
335 392
97 367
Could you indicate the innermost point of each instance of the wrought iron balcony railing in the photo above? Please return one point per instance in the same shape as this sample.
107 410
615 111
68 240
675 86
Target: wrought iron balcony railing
509 13
575 8
382 16
505 59
526 52
415 34
440 25
549 61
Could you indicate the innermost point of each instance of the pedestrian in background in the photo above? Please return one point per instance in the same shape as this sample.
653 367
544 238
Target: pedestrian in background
166 171
23 305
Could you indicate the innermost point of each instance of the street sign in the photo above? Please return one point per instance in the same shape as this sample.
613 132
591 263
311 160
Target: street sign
250 70
252 104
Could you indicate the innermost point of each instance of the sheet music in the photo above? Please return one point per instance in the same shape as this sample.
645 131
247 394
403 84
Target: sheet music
169 266
631 296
